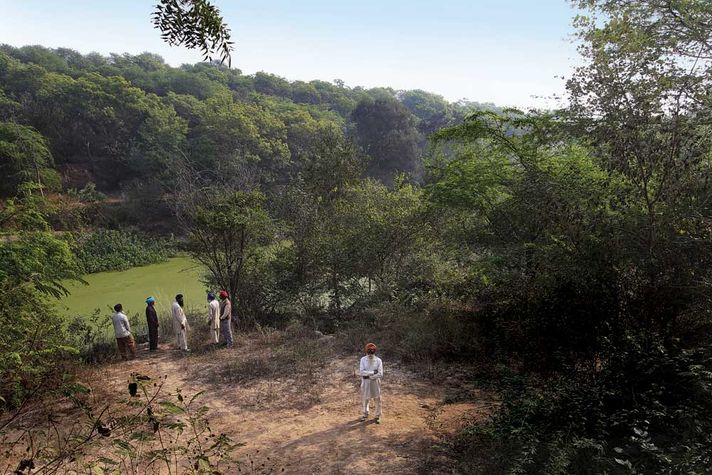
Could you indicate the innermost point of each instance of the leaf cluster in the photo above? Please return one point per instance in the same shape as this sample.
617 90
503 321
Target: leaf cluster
196 24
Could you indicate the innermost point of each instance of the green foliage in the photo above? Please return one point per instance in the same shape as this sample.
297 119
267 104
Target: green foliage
38 258
24 157
387 134
194 24
34 264
551 230
121 119
88 194
105 249
27 211
433 112
226 231
34 349
587 233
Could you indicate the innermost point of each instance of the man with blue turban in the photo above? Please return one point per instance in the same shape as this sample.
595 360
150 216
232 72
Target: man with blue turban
152 319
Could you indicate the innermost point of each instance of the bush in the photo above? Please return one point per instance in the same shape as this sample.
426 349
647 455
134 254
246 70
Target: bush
105 250
88 194
648 410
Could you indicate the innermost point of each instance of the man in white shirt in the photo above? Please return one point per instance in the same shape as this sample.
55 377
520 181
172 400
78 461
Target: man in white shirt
122 330
371 371
180 323
213 318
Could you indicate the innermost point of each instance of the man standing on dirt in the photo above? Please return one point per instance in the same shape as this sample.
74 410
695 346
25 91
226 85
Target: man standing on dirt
122 329
213 318
180 323
371 370
152 321
226 318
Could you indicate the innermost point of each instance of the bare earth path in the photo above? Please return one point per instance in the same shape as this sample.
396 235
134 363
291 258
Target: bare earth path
308 422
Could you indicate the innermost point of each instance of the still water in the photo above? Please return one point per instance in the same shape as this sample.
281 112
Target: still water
131 287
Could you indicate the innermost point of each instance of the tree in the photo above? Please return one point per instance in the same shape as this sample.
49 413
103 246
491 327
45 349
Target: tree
594 250
642 100
385 130
233 134
224 231
327 167
24 157
433 111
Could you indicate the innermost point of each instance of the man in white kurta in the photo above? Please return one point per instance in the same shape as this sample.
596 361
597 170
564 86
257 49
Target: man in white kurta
371 371
213 318
180 323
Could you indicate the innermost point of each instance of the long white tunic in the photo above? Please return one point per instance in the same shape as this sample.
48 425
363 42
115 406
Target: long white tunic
178 320
371 387
214 315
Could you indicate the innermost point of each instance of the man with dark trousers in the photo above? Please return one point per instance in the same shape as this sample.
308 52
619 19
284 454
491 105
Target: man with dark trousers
152 320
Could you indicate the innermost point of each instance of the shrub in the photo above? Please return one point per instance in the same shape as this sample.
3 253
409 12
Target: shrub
437 331
88 194
33 346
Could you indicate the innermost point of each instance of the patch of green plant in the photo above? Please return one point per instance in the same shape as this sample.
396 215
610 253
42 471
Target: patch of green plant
104 250
87 194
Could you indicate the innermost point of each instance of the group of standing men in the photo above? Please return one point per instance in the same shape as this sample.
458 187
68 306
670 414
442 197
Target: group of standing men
219 322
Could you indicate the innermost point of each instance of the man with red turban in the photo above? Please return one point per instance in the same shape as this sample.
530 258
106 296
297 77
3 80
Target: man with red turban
371 370
226 318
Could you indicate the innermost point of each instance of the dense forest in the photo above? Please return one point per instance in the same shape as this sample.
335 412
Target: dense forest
115 121
565 254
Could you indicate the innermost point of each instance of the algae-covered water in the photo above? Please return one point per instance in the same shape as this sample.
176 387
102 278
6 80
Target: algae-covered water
131 287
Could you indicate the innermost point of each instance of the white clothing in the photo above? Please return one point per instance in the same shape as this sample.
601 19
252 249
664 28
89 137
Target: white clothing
121 325
214 320
365 403
371 372
178 321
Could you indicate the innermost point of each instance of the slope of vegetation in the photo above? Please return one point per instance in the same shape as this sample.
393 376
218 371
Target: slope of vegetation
567 254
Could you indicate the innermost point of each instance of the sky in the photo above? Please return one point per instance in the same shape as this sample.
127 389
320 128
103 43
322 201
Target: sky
511 53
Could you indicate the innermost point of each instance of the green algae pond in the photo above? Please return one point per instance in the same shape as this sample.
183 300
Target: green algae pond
131 287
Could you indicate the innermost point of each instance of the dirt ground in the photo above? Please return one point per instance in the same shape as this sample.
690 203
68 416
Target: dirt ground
307 421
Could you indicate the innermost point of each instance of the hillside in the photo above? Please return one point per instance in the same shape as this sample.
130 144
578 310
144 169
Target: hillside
126 123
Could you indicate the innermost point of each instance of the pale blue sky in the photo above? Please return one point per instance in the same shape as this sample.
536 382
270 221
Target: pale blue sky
483 50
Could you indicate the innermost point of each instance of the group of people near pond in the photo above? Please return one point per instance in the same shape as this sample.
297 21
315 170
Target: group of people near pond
220 324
